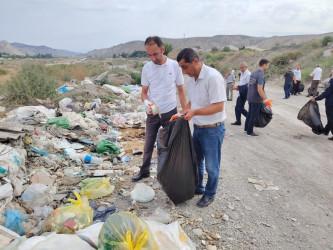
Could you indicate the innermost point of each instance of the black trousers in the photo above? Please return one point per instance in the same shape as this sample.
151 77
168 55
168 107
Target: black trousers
153 123
252 114
329 114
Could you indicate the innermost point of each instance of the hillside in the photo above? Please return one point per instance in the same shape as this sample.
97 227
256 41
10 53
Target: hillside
24 49
206 43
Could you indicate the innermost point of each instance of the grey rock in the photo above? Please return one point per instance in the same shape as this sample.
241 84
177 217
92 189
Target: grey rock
198 232
232 214
225 217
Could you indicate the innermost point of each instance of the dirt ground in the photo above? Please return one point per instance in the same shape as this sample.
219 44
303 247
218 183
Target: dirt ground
287 155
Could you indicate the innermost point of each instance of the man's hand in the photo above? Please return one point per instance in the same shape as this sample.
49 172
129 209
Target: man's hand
174 117
268 103
148 105
189 114
234 88
295 82
313 100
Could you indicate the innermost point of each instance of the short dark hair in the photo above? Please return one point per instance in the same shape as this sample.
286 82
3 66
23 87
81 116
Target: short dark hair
188 55
263 61
154 40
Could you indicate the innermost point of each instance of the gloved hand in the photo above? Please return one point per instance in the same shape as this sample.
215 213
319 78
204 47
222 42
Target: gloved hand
268 103
174 117
148 105
295 82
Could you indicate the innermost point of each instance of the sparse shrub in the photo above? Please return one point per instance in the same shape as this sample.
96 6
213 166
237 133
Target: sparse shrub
136 78
138 65
33 81
226 49
215 49
326 40
3 72
314 44
241 48
105 81
66 78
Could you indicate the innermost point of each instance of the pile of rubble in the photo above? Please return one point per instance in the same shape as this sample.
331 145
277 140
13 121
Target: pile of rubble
60 166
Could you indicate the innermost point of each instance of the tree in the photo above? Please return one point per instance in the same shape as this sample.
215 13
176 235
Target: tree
215 49
168 48
326 40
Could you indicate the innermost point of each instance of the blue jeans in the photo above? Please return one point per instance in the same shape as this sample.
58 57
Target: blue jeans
254 110
287 87
207 145
240 103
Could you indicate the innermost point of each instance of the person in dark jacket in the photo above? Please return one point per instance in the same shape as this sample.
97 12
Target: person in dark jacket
288 76
328 95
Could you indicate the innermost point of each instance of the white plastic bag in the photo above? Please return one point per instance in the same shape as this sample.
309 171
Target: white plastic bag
170 236
142 193
38 195
90 234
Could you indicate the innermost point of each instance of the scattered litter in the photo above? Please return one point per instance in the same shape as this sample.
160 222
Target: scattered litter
96 187
142 193
261 185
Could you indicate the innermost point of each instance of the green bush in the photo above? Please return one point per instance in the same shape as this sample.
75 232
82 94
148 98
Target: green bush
215 49
168 48
138 65
226 49
136 78
326 40
66 78
3 72
33 81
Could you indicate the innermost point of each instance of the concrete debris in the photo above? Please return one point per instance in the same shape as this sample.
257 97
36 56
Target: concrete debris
261 185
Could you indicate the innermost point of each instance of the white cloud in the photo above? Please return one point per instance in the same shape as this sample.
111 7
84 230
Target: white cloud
82 25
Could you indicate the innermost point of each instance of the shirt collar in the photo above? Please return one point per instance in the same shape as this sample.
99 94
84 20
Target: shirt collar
202 72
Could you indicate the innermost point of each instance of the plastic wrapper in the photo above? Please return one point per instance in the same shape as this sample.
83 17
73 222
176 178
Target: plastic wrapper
59 121
14 220
142 193
95 188
38 195
70 217
107 146
310 115
125 231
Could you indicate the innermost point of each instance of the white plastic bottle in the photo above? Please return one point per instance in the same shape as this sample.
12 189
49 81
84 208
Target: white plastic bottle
86 158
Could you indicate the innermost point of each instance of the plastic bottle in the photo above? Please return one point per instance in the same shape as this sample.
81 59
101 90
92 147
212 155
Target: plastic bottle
86 158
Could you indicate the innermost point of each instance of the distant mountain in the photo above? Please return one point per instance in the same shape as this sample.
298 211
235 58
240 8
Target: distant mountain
206 43
23 49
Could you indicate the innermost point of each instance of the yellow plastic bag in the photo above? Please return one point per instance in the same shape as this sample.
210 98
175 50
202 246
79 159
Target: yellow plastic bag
70 217
95 188
125 231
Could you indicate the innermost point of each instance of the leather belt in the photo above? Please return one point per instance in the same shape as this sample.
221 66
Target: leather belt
209 126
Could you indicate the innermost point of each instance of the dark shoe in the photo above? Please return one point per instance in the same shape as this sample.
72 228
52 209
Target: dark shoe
252 134
198 192
140 176
307 96
204 201
236 123
331 139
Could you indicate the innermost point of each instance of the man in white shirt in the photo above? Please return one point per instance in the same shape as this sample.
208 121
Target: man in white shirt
160 80
316 77
242 88
297 80
206 93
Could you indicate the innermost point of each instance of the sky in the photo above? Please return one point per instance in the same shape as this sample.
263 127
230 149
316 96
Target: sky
85 25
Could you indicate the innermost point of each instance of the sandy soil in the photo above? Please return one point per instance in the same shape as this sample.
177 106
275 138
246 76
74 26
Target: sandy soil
287 154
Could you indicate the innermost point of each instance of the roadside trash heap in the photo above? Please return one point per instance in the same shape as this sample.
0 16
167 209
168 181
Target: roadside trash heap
59 165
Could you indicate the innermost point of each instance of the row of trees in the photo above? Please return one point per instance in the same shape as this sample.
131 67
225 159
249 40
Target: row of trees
39 55
142 53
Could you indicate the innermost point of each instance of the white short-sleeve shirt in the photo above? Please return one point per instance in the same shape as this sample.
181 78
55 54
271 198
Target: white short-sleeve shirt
209 88
245 78
162 81
317 73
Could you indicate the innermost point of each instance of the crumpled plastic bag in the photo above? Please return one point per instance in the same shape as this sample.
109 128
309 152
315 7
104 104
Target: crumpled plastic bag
59 121
38 195
95 188
70 217
13 167
126 231
14 219
170 236
142 193
107 146
29 115
76 119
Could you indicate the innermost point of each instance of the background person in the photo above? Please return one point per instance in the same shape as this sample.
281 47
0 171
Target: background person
316 77
242 88
288 81
230 79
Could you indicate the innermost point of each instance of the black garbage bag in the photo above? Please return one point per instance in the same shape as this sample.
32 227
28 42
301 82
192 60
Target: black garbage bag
177 169
300 87
310 115
264 117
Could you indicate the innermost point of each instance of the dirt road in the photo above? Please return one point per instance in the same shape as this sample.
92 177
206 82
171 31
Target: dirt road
287 155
